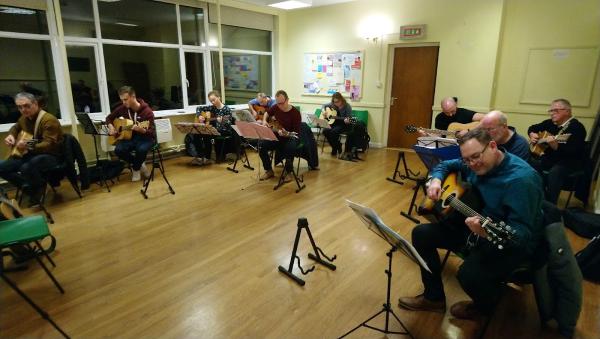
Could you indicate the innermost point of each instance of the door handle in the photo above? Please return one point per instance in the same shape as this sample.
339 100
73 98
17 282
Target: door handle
392 100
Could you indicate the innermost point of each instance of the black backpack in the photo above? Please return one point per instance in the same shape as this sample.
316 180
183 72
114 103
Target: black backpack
589 260
361 136
105 169
584 224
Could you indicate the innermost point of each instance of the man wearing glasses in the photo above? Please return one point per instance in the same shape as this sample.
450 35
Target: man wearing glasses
496 124
559 159
511 191
35 142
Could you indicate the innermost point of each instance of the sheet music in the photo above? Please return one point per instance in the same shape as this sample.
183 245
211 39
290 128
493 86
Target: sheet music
252 130
374 223
164 132
436 142
316 122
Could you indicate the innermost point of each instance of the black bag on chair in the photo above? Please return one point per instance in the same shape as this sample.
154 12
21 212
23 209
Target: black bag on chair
105 170
589 260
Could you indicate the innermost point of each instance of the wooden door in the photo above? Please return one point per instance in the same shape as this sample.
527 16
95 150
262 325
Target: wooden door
413 86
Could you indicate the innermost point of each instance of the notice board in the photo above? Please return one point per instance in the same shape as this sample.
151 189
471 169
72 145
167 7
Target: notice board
327 73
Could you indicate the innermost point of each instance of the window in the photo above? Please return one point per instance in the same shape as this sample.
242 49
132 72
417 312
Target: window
194 69
192 26
78 18
244 75
152 71
138 20
23 20
84 78
31 70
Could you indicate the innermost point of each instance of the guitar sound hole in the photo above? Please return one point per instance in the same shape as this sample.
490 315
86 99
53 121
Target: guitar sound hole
446 202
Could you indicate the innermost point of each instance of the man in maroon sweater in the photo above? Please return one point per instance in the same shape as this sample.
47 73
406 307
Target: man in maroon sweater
289 119
142 139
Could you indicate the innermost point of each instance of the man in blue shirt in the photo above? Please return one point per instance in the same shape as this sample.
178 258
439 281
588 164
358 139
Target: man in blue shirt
260 105
511 191
496 124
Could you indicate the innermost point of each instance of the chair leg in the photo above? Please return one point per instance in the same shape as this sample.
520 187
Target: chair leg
39 310
50 275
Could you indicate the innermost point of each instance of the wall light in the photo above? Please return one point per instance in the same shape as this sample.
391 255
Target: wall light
374 27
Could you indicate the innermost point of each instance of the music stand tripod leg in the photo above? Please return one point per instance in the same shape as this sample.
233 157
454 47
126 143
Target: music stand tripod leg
387 307
396 172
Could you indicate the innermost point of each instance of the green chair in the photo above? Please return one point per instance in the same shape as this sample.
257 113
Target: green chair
361 115
22 232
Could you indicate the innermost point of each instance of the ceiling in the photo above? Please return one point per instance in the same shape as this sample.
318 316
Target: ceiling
315 3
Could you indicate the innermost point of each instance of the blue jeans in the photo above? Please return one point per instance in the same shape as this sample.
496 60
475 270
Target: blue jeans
27 170
138 143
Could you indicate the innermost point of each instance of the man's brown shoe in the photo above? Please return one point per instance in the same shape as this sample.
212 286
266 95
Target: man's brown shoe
465 310
419 303
268 175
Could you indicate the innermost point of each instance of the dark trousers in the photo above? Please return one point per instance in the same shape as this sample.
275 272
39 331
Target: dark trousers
553 176
139 144
482 272
27 170
287 147
333 136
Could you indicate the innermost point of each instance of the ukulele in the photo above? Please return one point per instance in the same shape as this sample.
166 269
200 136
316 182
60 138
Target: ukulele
332 116
498 233
276 127
28 139
124 129
539 148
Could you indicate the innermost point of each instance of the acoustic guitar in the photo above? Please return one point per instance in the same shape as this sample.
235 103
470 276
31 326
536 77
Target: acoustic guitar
453 128
124 129
539 148
260 111
28 139
332 116
498 233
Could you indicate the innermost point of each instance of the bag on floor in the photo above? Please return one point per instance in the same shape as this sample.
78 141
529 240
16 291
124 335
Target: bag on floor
584 224
589 260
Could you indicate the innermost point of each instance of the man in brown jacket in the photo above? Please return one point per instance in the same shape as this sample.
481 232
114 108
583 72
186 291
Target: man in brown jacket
35 141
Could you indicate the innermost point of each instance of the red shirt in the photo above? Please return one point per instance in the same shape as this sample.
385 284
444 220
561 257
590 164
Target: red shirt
289 120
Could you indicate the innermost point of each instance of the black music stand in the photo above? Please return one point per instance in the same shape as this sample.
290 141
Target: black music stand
375 224
241 154
89 127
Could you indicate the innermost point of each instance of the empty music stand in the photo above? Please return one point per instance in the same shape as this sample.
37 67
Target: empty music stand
89 127
375 224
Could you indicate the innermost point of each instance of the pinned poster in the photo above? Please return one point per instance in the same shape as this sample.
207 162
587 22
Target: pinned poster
327 73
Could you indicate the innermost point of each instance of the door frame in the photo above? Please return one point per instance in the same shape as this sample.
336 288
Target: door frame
389 81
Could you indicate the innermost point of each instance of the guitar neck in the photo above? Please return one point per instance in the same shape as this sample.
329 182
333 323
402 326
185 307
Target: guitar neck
464 208
438 131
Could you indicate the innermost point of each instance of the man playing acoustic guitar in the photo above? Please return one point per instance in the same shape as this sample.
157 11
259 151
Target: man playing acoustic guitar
558 159
260 105
142 138
36 140
511 191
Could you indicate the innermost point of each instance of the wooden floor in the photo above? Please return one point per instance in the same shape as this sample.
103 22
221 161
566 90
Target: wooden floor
203 263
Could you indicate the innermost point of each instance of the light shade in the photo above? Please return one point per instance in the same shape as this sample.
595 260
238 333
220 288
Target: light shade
292 4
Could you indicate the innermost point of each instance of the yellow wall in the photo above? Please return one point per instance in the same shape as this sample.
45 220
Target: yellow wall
483 49
541 24
466 31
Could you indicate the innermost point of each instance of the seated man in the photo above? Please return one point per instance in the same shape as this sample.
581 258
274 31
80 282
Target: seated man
41 153
452 114
142 139
260 105
511 192
558 159
288 117
496 124
342 125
